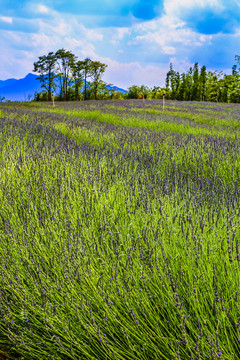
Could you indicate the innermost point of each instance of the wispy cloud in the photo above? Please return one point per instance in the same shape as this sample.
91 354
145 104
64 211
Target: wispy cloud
6 19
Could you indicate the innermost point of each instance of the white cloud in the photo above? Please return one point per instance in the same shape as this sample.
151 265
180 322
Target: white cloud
166 37
126 74
93 35
172 22
166 34
118 34
6 19
42 9
237 32
121 32
205 38
170 50
43 42
175 7
39 9
81 47
15 63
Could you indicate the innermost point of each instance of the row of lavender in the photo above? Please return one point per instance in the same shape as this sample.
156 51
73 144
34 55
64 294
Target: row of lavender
123 248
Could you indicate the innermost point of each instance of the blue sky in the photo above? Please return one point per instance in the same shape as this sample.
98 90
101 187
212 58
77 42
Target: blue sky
136 38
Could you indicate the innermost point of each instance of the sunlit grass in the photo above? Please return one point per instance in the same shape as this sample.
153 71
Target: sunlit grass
157 125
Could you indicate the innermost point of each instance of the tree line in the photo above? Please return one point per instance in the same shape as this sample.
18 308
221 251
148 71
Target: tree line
65 77
197 84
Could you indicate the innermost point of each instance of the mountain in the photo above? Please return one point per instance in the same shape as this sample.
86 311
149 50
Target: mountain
20 90
115 88
6 82
24 89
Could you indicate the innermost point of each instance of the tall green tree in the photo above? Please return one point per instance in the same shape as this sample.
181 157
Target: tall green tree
232 88
65 60
45 67
77 70
87 67
182 87
168 77
172 83
202 83
189 82
96 72
195 85
214 86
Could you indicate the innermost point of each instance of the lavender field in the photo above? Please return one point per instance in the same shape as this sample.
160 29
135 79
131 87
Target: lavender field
119 230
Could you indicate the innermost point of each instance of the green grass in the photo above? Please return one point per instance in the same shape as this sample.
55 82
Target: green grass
119 236
159 125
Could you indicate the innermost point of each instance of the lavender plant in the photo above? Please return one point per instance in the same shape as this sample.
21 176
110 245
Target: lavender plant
119 240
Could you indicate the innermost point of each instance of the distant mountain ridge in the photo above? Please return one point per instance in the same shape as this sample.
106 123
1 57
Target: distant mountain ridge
6 82
25 88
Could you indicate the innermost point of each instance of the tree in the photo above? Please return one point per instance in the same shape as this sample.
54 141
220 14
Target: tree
45 66
96 72
234 70
144 90
182 87
237 58
234 82
202 83
214 86
157 92
133 92
168 76
87 66
65 60
172 83
195 86
77 69
232 88
63 70
189 82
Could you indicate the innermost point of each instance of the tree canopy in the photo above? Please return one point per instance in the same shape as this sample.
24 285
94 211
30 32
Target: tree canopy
202 85
62 74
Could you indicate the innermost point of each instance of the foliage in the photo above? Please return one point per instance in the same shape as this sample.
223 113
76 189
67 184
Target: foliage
204 86
65 61
45 66
97 70
63 70
138 92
